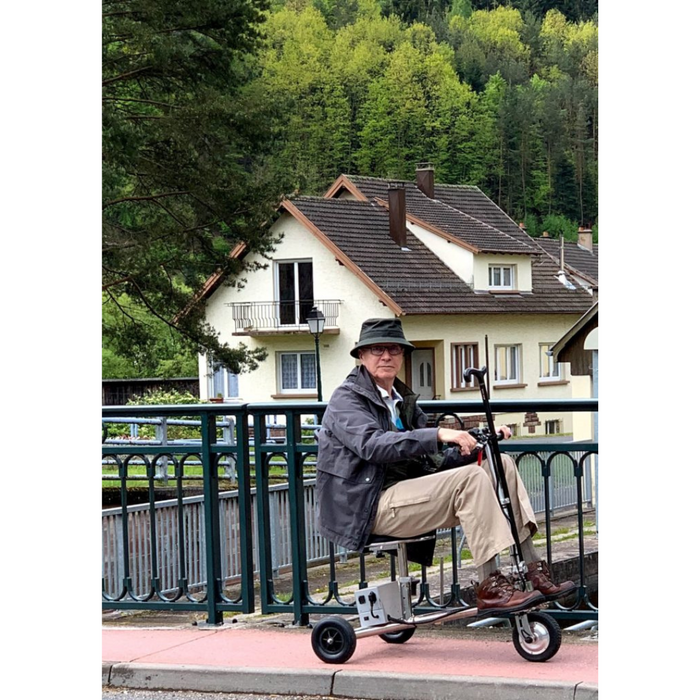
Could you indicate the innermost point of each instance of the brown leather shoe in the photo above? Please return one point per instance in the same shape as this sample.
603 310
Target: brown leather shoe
497 595
538 574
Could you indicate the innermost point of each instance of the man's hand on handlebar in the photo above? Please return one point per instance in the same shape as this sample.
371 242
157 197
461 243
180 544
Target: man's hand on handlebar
464 439
505 430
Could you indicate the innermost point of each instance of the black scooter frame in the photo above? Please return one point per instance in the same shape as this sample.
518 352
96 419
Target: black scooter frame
489 442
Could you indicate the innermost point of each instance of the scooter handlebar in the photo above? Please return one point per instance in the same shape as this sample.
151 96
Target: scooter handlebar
482 435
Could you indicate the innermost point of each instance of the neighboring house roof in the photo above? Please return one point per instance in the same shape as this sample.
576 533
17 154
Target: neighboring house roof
577 257
462 212
571 347
416 280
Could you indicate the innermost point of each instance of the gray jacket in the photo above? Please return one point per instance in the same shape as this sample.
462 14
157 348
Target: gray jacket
356 443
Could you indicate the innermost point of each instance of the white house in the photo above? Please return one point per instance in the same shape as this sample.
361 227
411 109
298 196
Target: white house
471 287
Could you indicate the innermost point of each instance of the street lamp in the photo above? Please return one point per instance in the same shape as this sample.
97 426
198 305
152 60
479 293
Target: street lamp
316 321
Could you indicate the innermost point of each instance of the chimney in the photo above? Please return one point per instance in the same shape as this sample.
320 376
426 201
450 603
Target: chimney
561 251
425 179
585 238
397 215
545 234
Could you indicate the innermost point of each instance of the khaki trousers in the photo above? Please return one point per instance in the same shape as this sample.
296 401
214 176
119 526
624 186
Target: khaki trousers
463 496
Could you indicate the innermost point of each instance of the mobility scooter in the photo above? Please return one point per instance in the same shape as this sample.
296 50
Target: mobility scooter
387 609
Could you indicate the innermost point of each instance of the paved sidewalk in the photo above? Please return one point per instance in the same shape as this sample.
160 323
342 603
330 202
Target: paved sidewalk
430 666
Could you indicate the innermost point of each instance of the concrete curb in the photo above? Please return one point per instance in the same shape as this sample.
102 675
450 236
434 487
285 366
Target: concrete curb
338 683
401 686
222 679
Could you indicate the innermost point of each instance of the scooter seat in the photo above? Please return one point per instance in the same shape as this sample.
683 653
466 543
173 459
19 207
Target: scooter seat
387 543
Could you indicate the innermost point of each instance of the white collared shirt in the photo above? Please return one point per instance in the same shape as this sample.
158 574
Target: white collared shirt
392 403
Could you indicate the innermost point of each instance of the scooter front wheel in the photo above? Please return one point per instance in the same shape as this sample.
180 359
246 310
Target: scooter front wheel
398 637
333 640
543 640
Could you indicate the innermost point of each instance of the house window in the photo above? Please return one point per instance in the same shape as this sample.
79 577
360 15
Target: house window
552 427
296 372
549 370
501 276
507 370
464 355
222 382
295 291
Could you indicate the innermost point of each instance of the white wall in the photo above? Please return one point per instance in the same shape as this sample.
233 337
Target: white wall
529 331
459 260
331 281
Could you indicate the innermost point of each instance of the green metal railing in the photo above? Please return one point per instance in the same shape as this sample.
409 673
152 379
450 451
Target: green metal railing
210 598
257 451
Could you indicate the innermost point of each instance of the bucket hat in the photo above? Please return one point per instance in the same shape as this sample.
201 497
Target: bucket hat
381 330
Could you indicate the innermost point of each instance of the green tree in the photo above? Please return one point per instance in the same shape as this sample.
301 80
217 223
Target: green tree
313 138
184 175
337 13
414 110
358 56
491 42
124 356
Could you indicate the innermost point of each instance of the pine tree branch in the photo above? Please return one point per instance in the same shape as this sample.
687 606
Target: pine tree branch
115 283
126 76
134 99
152 197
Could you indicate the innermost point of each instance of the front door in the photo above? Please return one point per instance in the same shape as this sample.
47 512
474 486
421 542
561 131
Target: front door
423 373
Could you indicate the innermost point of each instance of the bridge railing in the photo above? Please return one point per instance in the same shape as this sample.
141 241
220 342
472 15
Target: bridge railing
208 552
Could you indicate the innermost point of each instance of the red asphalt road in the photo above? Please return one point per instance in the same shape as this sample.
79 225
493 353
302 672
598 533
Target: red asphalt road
291 649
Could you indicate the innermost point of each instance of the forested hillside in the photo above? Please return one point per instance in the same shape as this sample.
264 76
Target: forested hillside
213 110
498 95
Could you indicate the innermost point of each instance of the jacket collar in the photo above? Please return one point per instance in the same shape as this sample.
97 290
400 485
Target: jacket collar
360 380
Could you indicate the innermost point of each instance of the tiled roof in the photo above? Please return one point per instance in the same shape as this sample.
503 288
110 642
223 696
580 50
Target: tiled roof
471 200
416 279
460 210
575 256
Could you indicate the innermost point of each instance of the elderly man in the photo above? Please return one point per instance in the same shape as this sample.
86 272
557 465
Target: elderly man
382 472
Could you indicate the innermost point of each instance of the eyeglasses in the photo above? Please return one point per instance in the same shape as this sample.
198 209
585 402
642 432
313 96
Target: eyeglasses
379 350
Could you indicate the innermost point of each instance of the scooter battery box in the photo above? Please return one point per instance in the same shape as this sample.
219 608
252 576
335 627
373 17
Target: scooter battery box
377 603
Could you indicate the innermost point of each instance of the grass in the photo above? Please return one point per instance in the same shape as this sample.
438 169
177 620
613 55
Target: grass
192 475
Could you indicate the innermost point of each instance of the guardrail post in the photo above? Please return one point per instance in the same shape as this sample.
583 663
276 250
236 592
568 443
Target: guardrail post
245 515
262 487
275 525
230 439
296 516
211 518
162 437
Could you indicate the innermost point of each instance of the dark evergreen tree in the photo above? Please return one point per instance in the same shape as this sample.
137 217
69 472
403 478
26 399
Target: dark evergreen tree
573 10
565 199
184 180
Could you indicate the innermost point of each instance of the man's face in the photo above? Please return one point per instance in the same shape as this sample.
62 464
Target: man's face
383 367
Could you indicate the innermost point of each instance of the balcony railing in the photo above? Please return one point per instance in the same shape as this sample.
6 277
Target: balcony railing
256 316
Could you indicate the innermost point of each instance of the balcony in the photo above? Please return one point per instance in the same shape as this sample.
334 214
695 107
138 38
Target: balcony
276 317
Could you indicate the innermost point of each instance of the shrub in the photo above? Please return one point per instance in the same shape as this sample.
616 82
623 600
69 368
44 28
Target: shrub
168 397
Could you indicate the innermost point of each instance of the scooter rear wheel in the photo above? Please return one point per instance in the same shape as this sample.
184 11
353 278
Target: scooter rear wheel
546 638
398 637
333 640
